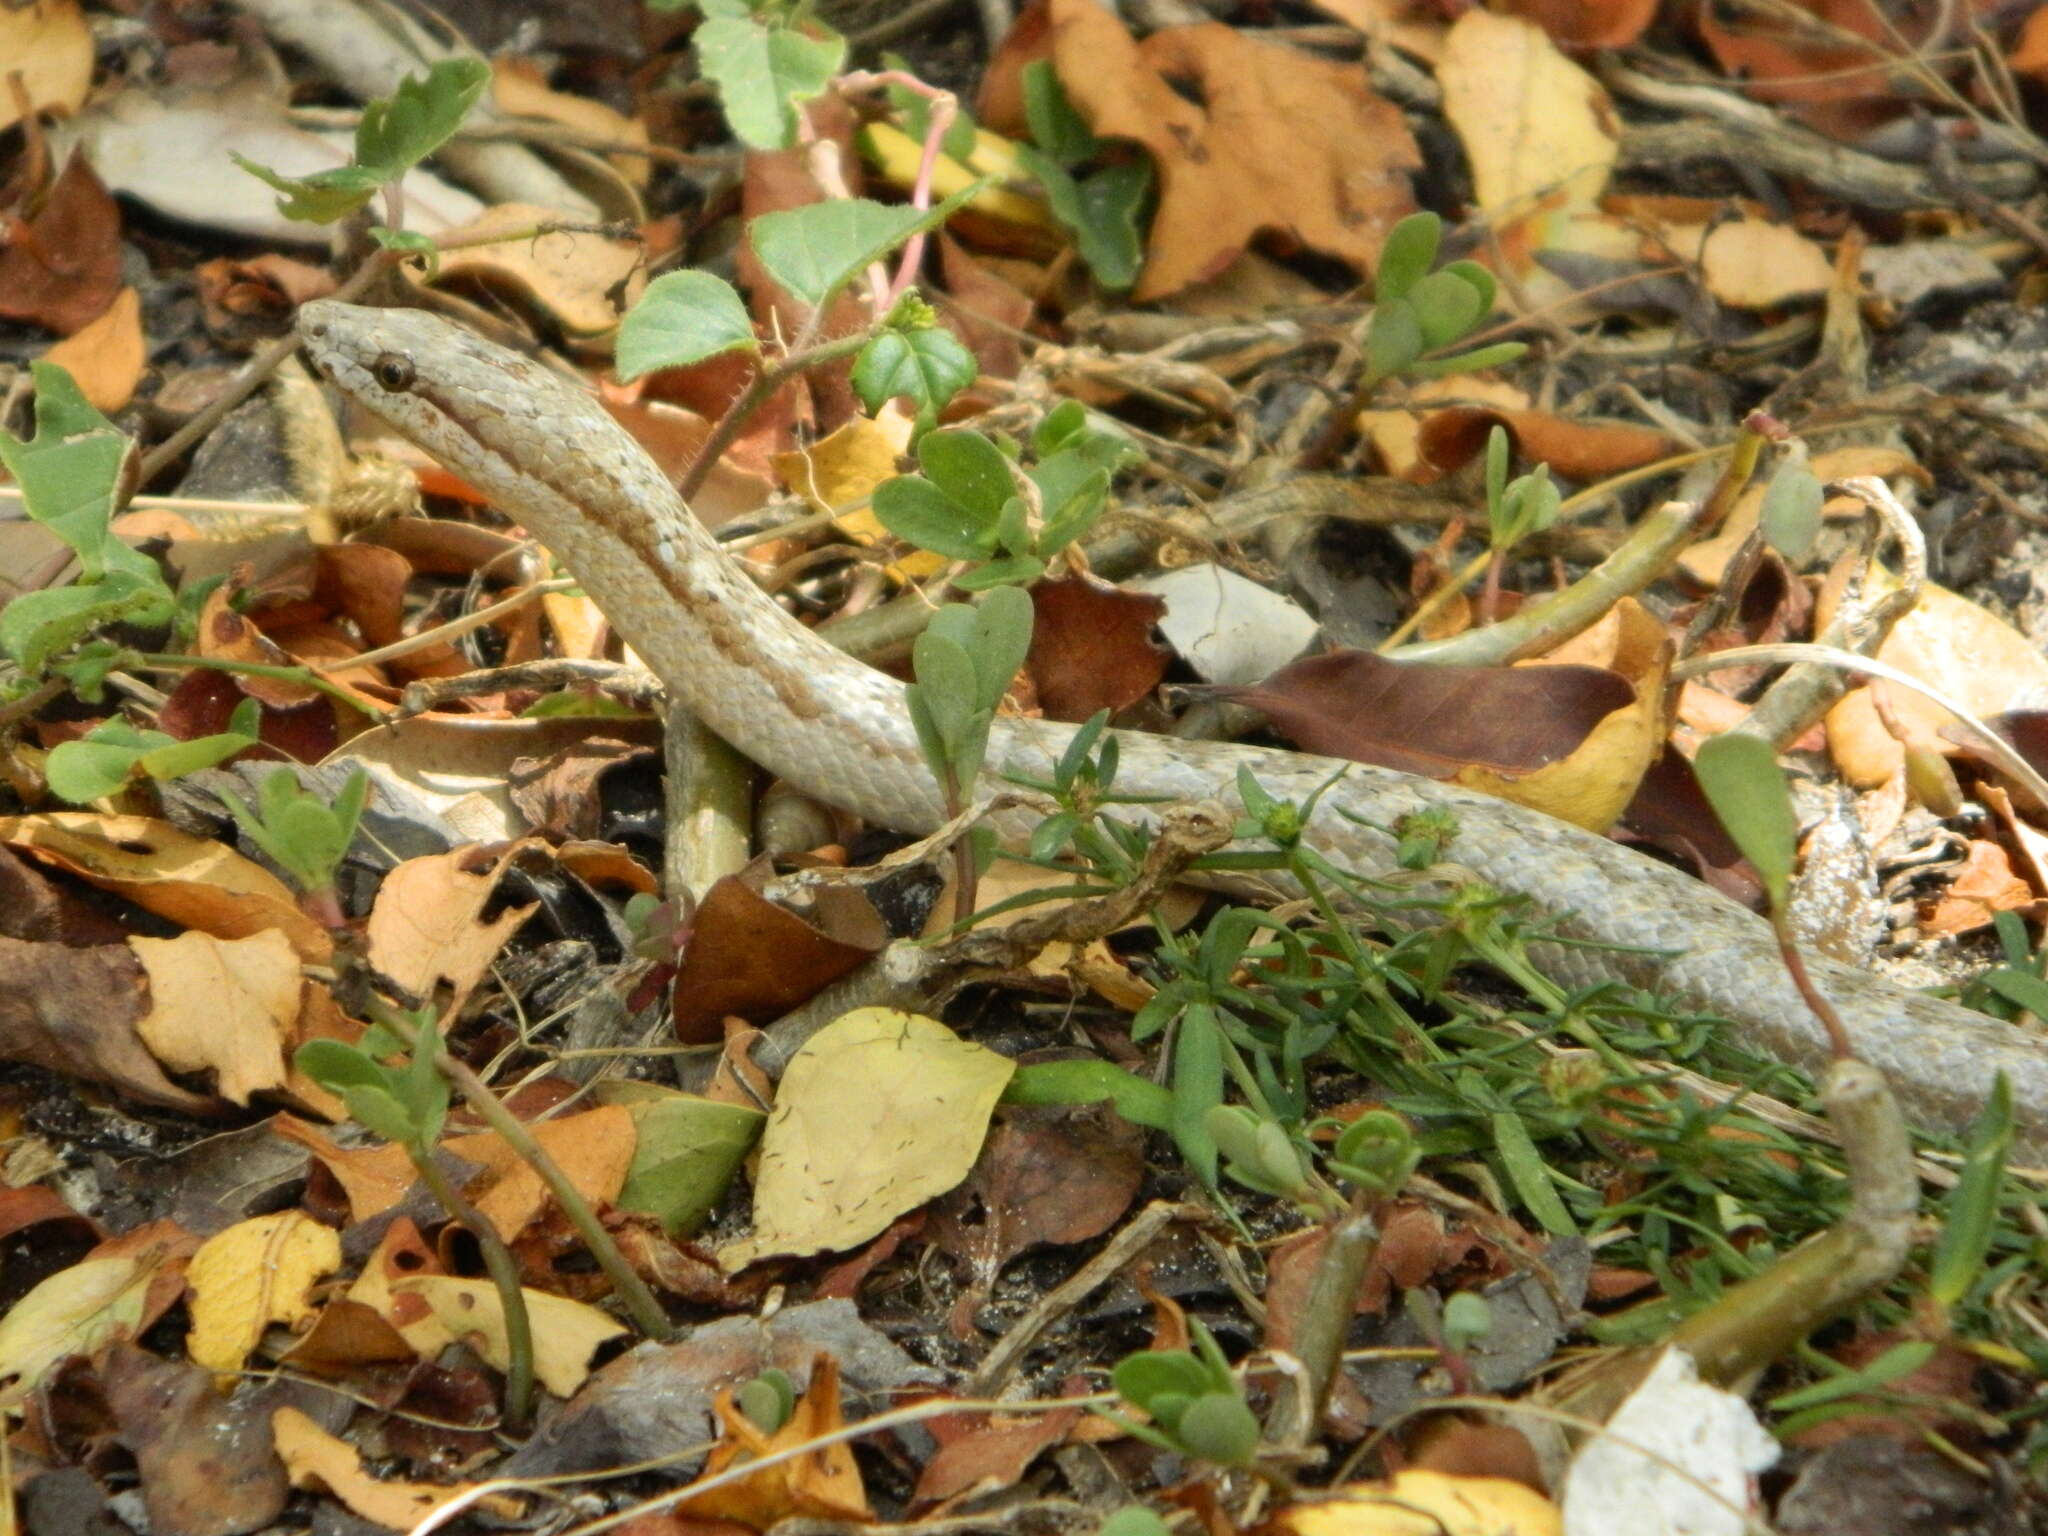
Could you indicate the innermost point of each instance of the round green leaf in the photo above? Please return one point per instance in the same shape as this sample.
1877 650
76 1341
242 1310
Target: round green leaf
684 317
1744 784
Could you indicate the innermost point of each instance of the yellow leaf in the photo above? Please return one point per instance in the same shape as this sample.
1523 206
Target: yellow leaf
224 1006
50 45
581 277
879 1112
844 468
73 1312
256 1273
1423 1503
565 1332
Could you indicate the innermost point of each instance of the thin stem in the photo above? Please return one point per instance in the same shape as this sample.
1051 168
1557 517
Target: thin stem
504 1271
1795 967
632 1290
164 661
765 383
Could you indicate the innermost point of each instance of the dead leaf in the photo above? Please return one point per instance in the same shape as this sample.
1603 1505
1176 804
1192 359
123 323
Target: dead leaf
316 1460
224 1006
48 46
981 1452
565 1333
206 1463
66 268
750 957
74 1312
105 356
1587 24
1817 67
1092 646
823 1484
841 470
1956 647
1570 741
427 926
1541 133
197 882
580 277
1424 1503
1982 888
1248 138
258 1272
519 90
831 1177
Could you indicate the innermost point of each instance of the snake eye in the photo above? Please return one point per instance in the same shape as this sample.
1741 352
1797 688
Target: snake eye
392 372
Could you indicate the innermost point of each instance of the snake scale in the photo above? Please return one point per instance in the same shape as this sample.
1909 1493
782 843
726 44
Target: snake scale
550 457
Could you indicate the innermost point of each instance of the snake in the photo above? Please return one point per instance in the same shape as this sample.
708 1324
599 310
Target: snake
549 456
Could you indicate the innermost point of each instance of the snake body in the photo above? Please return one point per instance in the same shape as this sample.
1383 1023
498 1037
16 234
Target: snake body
551 457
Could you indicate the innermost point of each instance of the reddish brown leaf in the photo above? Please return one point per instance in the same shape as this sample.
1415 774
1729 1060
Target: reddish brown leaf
1433 721
62 269
993 1453
749 957
1092 647
207 1464
1576 24
75 1012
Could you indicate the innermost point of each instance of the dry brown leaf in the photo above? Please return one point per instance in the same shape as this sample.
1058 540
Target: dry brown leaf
258 1272
750 957
72 1009
66 269
321 1462
518 90
372 1179
579 277
225 1006
1956 647
1981 889
1586 24
1814 65
1281 142
1092 647
593 1149
565 1333
1418 1502
427 925
198 882
105 357
823 1484
1752 263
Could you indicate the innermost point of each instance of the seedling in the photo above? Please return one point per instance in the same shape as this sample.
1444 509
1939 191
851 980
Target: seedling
302 834
1196 1407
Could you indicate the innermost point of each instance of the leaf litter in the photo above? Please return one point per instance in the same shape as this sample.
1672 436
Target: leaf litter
1002 1167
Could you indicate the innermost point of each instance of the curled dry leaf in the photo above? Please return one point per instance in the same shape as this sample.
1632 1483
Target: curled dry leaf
225 1006
316 1460
66 268
105 356
1248 139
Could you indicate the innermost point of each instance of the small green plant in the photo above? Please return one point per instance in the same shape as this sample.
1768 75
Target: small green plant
302 834
1194 1402
1100 208
1790 516
394 135
71 475
1418 311
974 502
767 60
108 755
1515 509
963 664
406 1102
768 1399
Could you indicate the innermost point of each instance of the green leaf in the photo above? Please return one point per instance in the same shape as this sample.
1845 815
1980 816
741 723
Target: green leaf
37 625
380 1112
1479 278
1530 1174
763 73
1002 639
687 1153
1744 784
1409 253
1495 356
1197 1087
938 756
1790 516
400 130
1393 341
971 470
1070 519
1219 1427
914 509
1016 570
70 472
338 1067
79 771
1970 1215
2021 987
815 250
1101 211
1133 1520
946 679
321 198
1088 1081
1496 476
410 242
1056 127
929 367
1446 306
1142 1379
684 317
1900 1360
